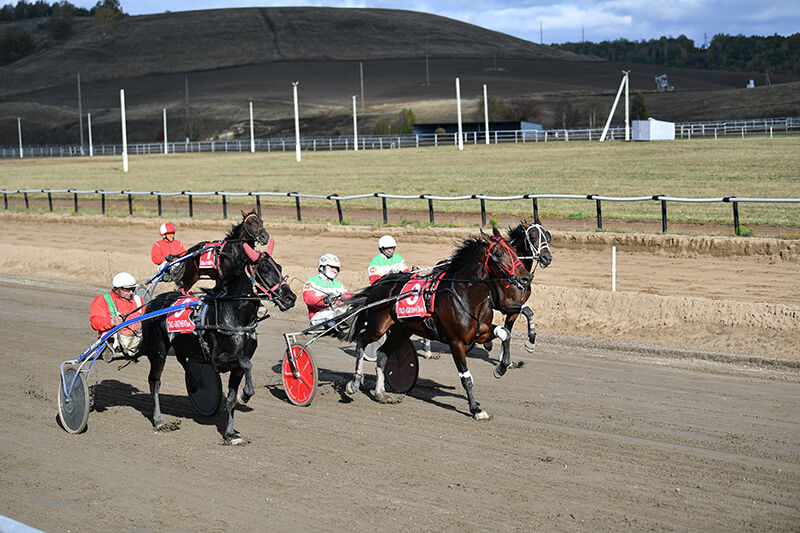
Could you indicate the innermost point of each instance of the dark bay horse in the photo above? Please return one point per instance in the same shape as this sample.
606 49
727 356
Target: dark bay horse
531 242
478 273
249 231
225 335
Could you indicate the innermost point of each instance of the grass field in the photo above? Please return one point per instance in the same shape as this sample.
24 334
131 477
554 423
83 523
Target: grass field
698 168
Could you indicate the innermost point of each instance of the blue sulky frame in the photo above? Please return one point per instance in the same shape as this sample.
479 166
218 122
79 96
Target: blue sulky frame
94 351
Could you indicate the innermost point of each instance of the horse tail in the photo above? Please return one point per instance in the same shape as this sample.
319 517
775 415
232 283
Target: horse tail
356 322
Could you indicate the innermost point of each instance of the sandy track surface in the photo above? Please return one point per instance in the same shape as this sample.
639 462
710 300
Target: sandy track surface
583 438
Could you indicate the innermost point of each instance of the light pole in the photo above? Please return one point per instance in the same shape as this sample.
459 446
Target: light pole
124 132
458 104
296 121
355 126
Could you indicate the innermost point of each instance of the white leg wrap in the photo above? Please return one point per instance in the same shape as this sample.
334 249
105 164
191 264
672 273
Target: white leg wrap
465 375
501 333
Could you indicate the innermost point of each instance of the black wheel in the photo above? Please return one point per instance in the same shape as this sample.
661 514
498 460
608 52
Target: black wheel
204 387
73 413
402 367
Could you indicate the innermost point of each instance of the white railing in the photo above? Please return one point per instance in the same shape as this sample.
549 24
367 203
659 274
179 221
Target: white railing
683 130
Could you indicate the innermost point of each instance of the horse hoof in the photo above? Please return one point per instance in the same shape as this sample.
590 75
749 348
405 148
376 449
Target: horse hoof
388 398
488 346
351 388
168 426
236 441
529 346
481 415
499 371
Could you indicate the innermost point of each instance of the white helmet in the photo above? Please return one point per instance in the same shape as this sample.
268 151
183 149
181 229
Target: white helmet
329 266
387 241
123 280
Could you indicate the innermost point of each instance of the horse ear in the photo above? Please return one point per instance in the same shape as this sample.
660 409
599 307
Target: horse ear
244 215
496 232
538 221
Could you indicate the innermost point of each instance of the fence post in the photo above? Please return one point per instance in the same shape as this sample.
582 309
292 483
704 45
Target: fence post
736 218
25 194
75 199
5 200
663 214
599 211
430 208
102 202
50 200
338 205
383 207
297 206
224 206
159 203
535 209
191 204
258 205
130 204
483 212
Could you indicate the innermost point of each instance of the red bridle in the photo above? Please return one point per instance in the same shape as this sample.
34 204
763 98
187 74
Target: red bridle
515 261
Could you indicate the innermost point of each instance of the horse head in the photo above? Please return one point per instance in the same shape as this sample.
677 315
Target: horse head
503 262
532 242
268 279
252 227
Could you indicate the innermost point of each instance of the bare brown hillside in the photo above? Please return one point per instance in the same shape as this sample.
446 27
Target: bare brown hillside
409 60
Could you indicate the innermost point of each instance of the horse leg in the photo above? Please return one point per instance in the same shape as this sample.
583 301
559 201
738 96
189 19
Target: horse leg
380 380
460 359
248 391
358 375
154 378
231 436
528 312
504 334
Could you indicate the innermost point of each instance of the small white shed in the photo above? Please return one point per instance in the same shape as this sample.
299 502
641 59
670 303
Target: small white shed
653 130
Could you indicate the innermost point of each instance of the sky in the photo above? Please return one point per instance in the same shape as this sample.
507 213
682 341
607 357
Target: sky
557 22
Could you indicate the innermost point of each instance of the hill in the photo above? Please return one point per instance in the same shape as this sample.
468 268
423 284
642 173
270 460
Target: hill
234 56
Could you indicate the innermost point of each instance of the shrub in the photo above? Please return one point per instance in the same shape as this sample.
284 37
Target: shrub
15 47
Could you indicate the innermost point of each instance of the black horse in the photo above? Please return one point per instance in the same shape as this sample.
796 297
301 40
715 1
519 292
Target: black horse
531 242
225 335
476 275
230 250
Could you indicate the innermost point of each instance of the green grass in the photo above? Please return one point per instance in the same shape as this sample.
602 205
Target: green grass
698 168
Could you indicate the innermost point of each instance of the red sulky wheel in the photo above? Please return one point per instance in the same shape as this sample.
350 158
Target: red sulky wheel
402 368
301 389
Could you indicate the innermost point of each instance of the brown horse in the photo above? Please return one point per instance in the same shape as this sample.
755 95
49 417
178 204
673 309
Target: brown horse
477 274
229 250
531 242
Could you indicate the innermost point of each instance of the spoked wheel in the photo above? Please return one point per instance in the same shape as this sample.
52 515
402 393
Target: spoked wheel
143 293
204 387
402 368
73 412
301 389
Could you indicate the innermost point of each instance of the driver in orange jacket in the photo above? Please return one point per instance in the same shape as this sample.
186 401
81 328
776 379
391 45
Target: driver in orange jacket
167 248
111 308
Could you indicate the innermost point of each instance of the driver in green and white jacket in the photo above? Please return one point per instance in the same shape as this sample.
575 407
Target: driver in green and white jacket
387 261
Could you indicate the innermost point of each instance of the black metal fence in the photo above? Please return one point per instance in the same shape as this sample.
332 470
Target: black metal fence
429 198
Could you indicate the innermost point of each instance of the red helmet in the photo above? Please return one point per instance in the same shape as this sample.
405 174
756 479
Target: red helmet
167 228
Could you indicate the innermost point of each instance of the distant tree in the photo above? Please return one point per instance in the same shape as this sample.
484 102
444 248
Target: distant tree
15 47
498 109
638 107
7 13
61 21
526 109
566 116
383 126
107 13
406 121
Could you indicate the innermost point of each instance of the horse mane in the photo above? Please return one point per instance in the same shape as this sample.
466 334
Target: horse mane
234 231
225 284
516 237
468 252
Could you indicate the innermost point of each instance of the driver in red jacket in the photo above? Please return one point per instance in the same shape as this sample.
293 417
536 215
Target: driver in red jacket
167 248
112 308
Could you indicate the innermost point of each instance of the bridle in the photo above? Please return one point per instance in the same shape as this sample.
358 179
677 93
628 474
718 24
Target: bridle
542 243
247 228
259 284
515 261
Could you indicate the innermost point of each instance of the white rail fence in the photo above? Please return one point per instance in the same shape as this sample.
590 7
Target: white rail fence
430 198
683 130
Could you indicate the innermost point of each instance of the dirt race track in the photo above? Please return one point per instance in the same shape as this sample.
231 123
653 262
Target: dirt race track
673 404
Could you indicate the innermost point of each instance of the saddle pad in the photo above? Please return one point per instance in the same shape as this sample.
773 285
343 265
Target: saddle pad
414 305
181 321
208 257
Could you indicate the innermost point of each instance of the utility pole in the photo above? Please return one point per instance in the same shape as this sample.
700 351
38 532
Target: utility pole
427 72
186 127
80 110
541 39
361 68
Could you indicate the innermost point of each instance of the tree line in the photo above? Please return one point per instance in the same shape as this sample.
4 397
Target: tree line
60 23
776 53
